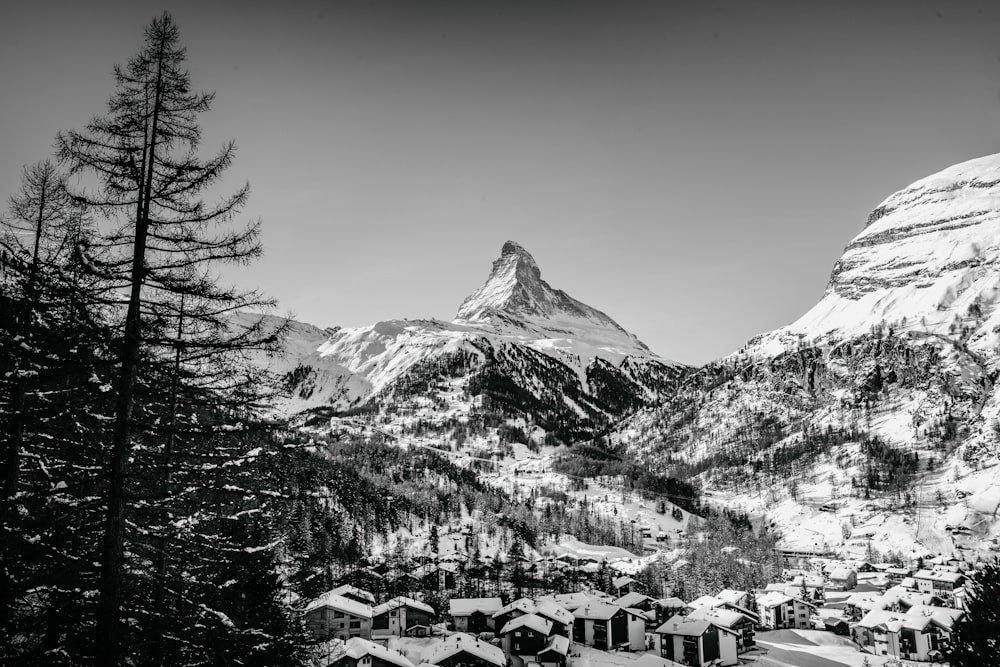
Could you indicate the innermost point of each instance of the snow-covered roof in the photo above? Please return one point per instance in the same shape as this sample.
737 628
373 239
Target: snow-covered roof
725 618
571 601
459 642
340 603
670 603
684 625
553 611
347 589
557 644
842 573
600 611
772 599
468 606
730 596
358 648
401 601
526 605
939 576
530 621
945 617
705 601
632 599
618 582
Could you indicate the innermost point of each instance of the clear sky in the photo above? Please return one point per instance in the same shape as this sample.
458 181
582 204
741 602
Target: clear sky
693 169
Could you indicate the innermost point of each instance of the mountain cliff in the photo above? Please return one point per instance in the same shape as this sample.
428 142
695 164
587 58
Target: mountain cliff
871 422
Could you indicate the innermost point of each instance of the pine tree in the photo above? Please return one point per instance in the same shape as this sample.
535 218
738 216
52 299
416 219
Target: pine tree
975 639
157 256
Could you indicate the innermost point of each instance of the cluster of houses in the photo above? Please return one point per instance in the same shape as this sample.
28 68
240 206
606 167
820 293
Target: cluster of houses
910 617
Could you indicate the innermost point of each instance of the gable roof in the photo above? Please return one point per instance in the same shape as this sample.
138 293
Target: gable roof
598 611
618 582
632 599
705 601
730 596
684 625
549 609
557 644
340 603
530 621
346 589
724 618
467 606
460 642
358 648
940 576
526 605
401 601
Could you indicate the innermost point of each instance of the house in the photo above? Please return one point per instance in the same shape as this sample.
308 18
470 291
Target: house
837 625
636 628
518 607
667 607
402 617
843 578
635 600
354 593
522 638
464 650
623 585
896 574
733 598
905 636
572 601
778 611
858 604
601 625
335 616
742 625
562 620
360 652
554 653
474 614
695 641
941 583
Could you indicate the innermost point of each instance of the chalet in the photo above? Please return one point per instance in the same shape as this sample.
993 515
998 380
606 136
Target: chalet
354 593
562 620
360 652
742 626
779 611
696 641
910 636
572 601
733 598
474 614
554 653
896 575
623 585
636 628
939 582
518 607
334 616
523 637
837 625
859 604
843 579
402 617
899 599
601 625
635 601
667 607
463 650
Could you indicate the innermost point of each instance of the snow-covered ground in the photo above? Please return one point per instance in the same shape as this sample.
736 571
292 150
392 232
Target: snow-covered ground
811 648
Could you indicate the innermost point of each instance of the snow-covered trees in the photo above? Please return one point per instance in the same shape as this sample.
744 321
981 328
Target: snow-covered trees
975 639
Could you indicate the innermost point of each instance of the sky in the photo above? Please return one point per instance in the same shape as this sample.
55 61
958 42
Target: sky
693 169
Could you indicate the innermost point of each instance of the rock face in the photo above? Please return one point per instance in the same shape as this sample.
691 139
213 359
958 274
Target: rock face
880 403
927 261
516 340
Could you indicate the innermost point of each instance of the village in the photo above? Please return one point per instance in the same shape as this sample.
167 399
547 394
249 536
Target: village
872 613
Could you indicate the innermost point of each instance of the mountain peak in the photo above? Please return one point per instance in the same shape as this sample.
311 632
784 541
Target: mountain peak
515 295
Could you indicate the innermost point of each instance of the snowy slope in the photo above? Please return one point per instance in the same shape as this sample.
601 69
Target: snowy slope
873 421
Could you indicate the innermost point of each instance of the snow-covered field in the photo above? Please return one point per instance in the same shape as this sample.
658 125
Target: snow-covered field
810 648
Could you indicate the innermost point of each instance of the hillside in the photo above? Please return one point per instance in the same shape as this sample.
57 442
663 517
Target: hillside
870 423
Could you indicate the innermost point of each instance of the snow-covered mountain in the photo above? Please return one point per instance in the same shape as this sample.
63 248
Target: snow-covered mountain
879 404
928 261
515 339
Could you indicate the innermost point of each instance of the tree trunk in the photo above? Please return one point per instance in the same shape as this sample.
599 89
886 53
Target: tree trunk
108 648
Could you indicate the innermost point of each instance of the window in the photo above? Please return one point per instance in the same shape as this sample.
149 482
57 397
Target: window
394 613
355 624
338 614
